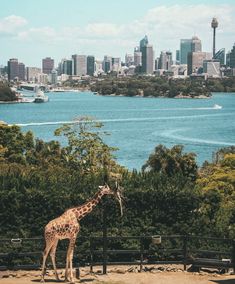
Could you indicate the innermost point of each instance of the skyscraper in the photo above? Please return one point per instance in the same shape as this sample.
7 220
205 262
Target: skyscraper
67 67
144 42
196 44
129 59
232 57
185 48
189 45
165 60
107 63
47 65
220 56
195 61
90 65
21 74
137 56
79 65
147 59
13 69
147 56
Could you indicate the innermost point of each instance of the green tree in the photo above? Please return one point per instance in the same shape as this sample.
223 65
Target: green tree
172 161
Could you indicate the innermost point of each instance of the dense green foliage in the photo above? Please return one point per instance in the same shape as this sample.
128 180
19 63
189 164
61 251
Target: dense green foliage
39 180
6 94
162 86
150 86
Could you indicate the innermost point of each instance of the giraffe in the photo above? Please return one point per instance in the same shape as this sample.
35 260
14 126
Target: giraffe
67 226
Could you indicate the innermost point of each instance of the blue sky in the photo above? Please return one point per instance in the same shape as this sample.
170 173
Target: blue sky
31 29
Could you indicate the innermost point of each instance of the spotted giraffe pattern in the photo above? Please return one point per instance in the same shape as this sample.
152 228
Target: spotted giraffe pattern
67 226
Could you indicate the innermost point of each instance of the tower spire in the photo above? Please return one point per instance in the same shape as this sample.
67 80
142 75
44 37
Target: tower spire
214 25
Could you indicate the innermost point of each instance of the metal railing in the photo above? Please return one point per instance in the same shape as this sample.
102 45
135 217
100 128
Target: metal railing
26 253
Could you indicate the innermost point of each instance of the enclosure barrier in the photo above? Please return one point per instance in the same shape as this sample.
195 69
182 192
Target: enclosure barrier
26 253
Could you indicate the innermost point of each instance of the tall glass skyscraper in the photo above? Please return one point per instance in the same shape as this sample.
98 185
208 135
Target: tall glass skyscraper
189 45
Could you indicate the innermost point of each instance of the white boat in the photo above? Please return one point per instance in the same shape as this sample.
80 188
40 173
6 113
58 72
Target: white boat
40 97
217 106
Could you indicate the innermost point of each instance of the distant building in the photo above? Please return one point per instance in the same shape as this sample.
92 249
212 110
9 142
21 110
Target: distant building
177 56
220 55
67 67
107 63
232 57
53 77
211 67
165 60
47 65
13 69
129 60
228 58
21 70
189 45
90 65
79 65
32 73
116 64
185 48
196 44
137 57
195 61
144 42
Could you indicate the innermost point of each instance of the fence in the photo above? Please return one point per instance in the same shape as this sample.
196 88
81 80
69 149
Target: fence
26 253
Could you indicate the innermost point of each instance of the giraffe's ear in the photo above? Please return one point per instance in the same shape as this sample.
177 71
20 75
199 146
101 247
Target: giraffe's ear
100 186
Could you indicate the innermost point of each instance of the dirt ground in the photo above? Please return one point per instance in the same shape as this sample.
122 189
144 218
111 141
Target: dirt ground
122 275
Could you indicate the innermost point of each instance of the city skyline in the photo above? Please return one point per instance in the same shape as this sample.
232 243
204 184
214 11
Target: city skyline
31 32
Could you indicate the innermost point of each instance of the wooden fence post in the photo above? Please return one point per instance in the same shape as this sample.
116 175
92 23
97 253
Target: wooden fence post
185 250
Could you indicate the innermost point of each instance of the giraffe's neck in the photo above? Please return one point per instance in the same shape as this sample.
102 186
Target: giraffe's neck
86 208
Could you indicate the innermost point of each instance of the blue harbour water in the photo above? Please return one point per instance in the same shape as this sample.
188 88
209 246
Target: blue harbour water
136 124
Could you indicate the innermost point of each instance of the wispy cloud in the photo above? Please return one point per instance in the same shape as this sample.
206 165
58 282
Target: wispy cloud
164 25
11 25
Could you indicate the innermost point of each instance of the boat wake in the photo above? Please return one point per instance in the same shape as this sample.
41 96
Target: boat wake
172 134
134 119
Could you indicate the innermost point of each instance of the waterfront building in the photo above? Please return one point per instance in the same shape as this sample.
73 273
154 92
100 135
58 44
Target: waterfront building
211 67
220 55
21 70
137 57
53 77
42 78
32 73
90 65
195 61
47 65
165 60
13 69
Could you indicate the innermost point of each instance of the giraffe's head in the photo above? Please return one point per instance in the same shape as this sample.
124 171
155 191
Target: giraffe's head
116 192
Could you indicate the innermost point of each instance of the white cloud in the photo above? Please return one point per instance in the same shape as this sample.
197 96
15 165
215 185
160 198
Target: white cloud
164 25
10 26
